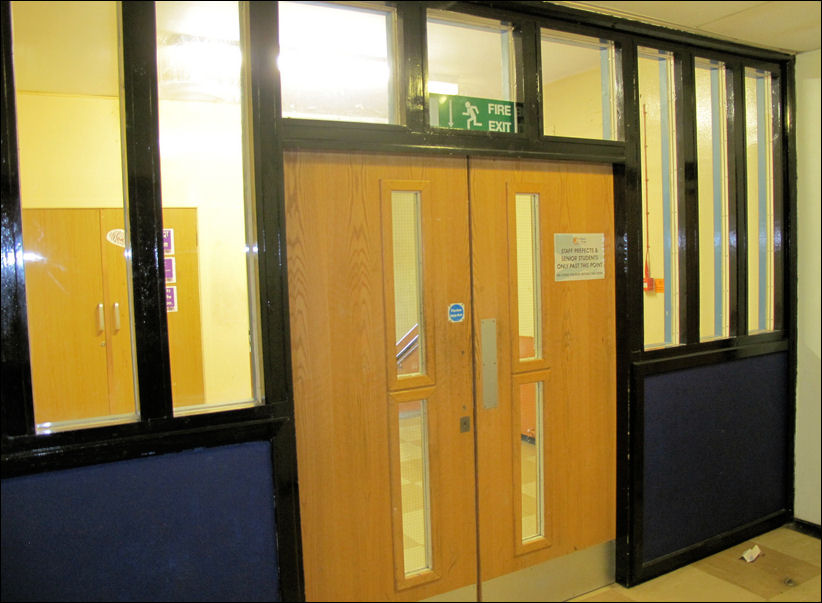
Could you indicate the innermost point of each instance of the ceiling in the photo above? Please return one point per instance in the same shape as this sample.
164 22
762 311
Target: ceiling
791 27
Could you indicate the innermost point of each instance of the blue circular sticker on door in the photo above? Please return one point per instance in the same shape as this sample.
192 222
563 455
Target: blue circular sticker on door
456 312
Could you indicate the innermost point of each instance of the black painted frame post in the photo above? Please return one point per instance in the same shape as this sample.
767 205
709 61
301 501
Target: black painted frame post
630 326
145 212
16 408
791 246
530 78
265 127
689 212
265 133
413 49
739 236
732 125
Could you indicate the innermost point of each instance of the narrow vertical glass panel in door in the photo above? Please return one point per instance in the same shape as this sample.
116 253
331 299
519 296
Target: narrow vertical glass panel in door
712 181
338 62
416 505
75 235
660 197
531 460
472 74
579 84
408 306
529 291
759 157
209 226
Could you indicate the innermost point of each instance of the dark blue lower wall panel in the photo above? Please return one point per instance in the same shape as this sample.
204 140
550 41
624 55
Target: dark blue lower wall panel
715 451
190 526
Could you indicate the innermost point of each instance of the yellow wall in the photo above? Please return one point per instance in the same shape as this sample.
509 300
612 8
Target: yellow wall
572 106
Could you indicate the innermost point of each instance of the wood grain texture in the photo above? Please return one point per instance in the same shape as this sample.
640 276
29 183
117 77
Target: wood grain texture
579 334
115 291
64 286
185 342
340 333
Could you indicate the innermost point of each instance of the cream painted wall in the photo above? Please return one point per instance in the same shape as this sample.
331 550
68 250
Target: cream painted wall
202 166
808 394
572 106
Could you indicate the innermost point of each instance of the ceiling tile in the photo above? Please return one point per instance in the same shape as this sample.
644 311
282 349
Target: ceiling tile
793 26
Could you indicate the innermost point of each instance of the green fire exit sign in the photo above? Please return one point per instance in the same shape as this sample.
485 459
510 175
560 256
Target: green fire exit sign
476 114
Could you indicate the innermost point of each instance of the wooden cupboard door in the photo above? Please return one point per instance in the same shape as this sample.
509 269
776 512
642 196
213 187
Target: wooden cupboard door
66 314
185 345
546 495
384 444
117 309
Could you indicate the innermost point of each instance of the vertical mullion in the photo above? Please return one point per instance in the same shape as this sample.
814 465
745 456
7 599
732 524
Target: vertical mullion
780 221
530 78
633 203
265 125
689 201
17 405
143 198
413 49
733 124
739 242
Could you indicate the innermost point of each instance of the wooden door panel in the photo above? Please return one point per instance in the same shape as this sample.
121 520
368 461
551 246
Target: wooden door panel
578 327
344 373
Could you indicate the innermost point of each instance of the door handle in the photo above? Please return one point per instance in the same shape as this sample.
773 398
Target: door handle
116 312
488 350
101 318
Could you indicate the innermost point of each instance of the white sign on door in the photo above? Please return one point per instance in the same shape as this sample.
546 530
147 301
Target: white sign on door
579 256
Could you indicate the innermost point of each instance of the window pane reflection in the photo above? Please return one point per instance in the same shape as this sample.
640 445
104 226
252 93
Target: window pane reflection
75 236
416 506
531 460
208 221
407 254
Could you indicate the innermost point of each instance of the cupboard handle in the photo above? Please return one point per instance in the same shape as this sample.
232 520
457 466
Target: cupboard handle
488 347
116 311
101 318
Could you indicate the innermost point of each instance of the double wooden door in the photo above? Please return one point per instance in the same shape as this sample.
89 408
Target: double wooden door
79 316
453 357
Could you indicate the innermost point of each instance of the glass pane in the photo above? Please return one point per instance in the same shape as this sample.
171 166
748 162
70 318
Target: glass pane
416 506
75 236
660 199
408 315
208 216
471 73
578 86
337 62
528 271
759 158
711 146
531 460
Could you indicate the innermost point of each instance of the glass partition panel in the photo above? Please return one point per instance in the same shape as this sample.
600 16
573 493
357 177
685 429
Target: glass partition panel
210 248
529 293
75 232
712 169
531 460
471 73
579 83
337 62
760 201
416 504
660 198
408 305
